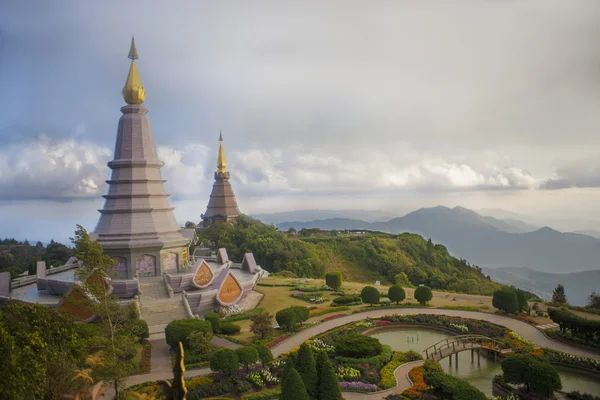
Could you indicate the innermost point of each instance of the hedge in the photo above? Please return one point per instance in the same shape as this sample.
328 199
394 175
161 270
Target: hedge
322 311
141 328
588 329
347 299
178 330
229 329
215 321
334 279
377 361
357 346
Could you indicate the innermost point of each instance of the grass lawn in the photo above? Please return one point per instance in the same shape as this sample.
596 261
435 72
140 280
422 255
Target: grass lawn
137 359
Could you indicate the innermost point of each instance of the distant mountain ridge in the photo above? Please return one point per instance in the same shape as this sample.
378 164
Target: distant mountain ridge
578 285
484 241
310 215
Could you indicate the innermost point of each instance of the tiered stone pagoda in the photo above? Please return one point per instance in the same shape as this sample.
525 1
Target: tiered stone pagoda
137 226
222 205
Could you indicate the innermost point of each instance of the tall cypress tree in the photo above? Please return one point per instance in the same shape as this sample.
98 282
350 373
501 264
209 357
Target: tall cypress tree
292 387
329 385
307 367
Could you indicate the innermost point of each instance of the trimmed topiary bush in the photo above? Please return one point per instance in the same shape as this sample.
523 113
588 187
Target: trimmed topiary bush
229 328
396 294
264 354
423 294
370 295
334 280
307 368
303 313
347 299
289 318
357 346
225 360
247 355
179 330
214 320
292 386
329 385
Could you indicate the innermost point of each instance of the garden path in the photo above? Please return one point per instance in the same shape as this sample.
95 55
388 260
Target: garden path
522 328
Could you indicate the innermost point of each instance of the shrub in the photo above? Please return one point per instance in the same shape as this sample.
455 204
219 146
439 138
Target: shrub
423 294
247 355
370 295
290 317
536 373
179 330
264 354
262 325
286 274
292 386
375 361
199 342
303 313
347 299
506 300
448 386
229 328
215 321
225 360
357 346
307 368
396 294
88 331
334 280
269 394
329 385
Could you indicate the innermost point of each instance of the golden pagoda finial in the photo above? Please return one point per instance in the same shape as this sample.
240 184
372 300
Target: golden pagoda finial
133 91
221 162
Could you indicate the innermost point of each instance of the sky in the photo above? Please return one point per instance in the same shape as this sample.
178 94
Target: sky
390 105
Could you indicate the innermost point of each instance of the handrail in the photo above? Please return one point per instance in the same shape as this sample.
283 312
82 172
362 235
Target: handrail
453 341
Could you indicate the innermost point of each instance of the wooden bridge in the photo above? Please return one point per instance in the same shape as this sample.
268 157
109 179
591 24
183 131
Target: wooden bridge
455 344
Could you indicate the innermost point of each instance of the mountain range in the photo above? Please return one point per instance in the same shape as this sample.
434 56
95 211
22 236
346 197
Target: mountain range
484 241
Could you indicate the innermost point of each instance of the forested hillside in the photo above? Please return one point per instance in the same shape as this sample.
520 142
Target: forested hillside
17 257
361 257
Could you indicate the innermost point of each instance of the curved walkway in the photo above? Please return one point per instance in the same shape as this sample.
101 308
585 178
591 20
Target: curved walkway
525 330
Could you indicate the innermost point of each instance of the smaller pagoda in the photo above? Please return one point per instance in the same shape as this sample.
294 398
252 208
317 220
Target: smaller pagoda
222 205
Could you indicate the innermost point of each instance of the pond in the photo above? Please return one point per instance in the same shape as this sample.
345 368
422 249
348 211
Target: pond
480 376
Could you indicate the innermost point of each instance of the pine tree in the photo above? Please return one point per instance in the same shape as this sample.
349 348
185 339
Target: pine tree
292 387
558 295
329 385
307 368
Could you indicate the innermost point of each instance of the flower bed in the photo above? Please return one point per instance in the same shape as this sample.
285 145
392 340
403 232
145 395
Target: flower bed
360 387
319 345
348 374
279 339
334 316
419 386
322 311
474 326
145 359
571 360
311 298
263 395
574 340
388 380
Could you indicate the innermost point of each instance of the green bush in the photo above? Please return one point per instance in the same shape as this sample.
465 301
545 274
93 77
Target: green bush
88 331
376 361
307 368
264 354
229 328
215 321
303 313
334 280
141 328
388 380
329 385
396 294
423 294
370 295
448 386
506 300
225 360
347 299
536 373
290 317
357 346
247 355
292 386
179 330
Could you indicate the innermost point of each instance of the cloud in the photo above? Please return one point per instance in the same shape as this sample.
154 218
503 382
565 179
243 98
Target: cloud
580 174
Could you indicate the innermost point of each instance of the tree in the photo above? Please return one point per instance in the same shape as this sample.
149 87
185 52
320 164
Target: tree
262 325
287 319
537 374
506 300
402 280
370 295
225 360
329 385
334 280
39 348
292 387
558 295
423 294
56 254
264 354
593 300
522 300
118 338
180 329
190 224
307 368
247 355
396 293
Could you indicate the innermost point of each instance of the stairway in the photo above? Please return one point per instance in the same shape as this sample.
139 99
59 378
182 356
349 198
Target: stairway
158 309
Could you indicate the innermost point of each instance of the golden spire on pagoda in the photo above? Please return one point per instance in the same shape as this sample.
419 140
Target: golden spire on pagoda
133 91
221 162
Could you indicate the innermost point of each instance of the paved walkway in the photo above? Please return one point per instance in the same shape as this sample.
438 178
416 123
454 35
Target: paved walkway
527 331
547 326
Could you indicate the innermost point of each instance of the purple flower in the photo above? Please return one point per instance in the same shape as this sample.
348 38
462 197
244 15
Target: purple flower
358 386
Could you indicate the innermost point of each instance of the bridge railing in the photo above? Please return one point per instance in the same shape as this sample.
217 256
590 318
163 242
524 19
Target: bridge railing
456 342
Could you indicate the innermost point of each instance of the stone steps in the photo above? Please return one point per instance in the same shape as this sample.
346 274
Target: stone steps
160 314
